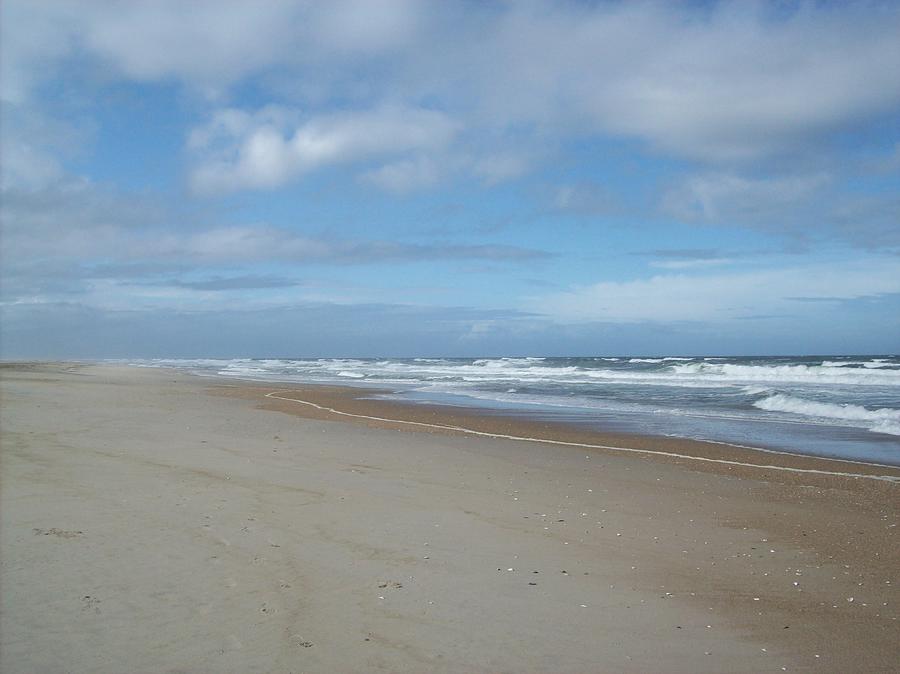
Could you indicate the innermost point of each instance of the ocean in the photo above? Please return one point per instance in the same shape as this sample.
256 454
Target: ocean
836 406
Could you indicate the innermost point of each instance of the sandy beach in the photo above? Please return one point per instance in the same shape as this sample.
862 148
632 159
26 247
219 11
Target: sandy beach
152 521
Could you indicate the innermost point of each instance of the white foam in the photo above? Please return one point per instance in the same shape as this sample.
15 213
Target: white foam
798 374
537 371
874 364
883 420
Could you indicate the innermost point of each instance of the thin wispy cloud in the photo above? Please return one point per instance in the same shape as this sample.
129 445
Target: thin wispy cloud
721 296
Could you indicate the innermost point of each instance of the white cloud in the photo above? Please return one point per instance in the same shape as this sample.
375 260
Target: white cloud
585 198
731 82
34 146
209 44
721 297
73 238
83 226
727 83
32 40
499 167
366 27
806 207
729 197
404 175
264 150
28 166
692 264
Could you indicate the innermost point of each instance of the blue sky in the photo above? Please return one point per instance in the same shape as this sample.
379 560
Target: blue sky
406 178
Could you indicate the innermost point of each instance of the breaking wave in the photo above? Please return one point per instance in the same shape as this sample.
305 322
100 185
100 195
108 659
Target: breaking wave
883 420
796 374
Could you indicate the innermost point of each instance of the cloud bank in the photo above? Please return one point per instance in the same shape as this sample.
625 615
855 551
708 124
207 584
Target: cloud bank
782 79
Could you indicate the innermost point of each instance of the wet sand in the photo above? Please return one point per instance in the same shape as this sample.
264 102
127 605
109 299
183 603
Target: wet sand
154 521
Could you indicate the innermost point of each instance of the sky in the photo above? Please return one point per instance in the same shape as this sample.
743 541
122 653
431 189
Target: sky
295 178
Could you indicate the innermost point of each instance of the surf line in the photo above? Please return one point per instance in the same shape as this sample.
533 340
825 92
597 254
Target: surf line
631 450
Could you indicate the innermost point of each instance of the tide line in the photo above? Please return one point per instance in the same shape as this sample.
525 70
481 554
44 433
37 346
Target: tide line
631 450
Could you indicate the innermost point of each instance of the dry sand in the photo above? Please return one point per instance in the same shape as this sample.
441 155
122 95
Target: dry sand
152 521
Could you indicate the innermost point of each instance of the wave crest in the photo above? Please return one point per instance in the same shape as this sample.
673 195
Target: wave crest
800 374
883 420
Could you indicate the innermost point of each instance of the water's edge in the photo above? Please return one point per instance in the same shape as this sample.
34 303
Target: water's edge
835 406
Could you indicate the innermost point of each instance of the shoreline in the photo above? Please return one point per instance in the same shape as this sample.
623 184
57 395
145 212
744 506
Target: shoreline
350 392
579 420
178 523
354 405
834 407
547 417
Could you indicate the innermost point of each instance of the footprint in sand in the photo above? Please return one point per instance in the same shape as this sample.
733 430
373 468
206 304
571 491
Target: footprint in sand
391 584
88 602
59 533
